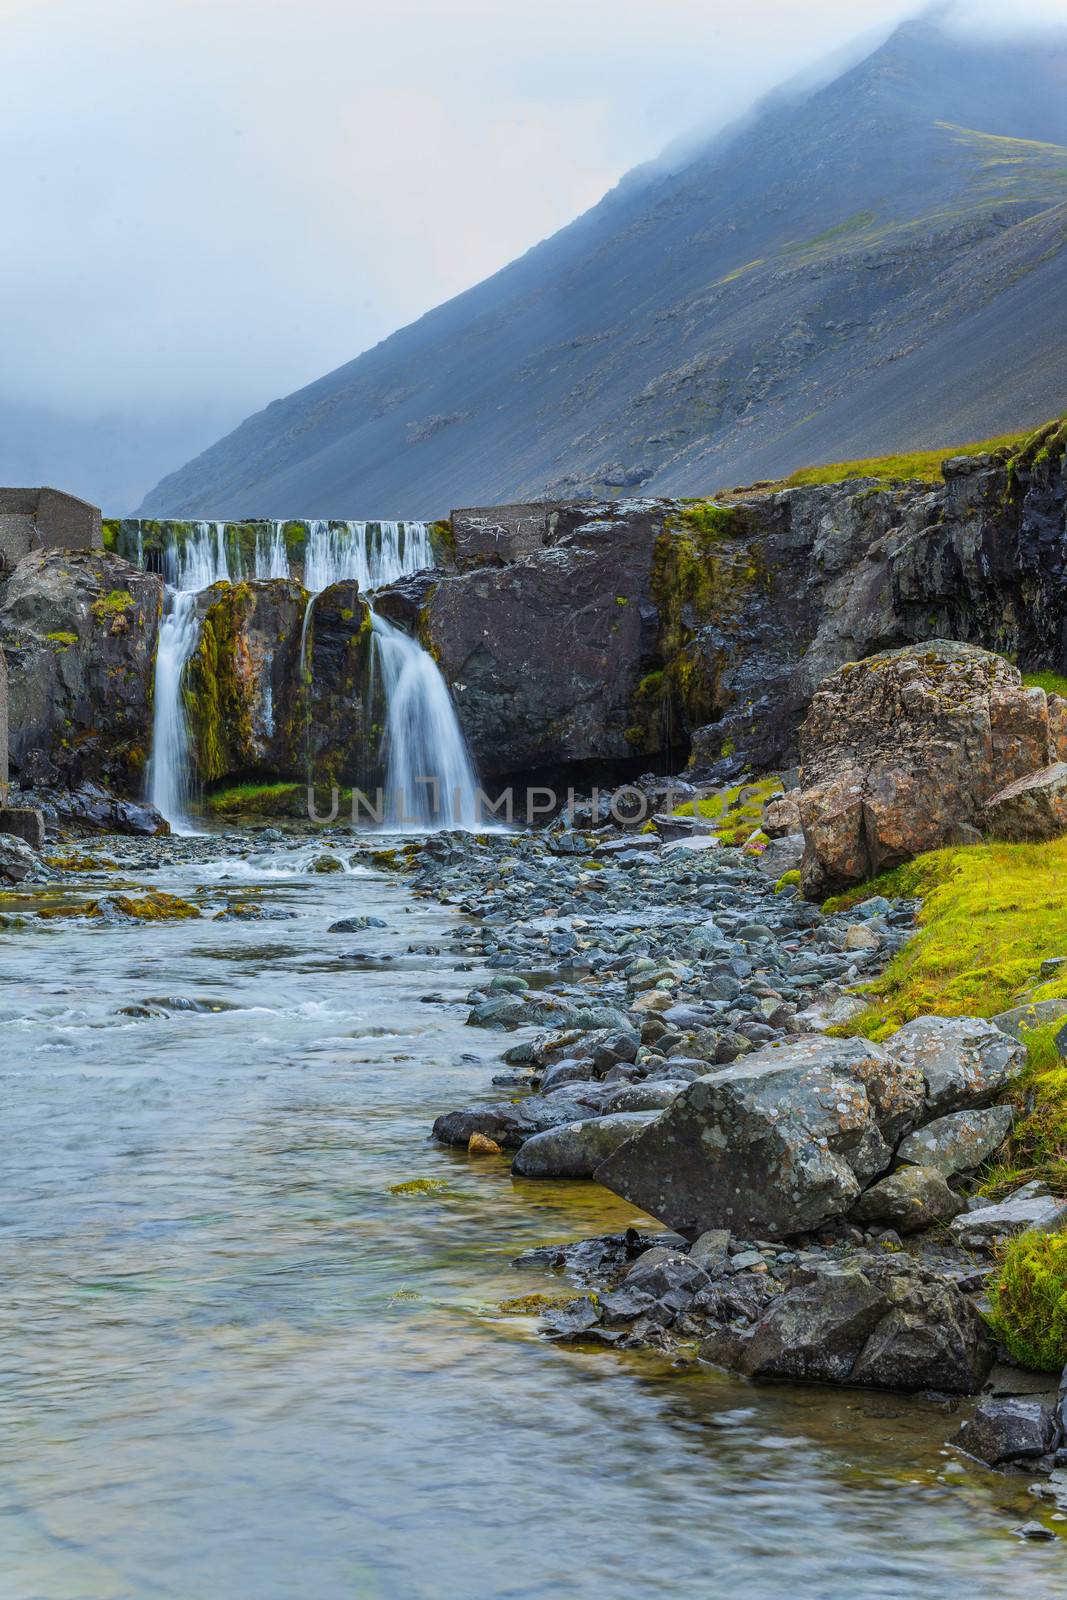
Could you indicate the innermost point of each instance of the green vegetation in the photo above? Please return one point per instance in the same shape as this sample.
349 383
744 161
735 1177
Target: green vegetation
64 640
1030 1300
922 466
419 1186
1051 682
155 906
991 914
788 880
737 812
259 799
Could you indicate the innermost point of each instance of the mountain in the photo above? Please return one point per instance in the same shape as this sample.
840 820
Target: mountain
877 265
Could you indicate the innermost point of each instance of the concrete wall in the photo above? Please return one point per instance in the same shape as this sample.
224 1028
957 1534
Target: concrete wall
45 519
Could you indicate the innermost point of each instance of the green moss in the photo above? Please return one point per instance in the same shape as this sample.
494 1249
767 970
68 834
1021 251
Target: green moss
990 915
1029 1298
788 880
111 605
420 1186
737 812
259 799
154 906
64 640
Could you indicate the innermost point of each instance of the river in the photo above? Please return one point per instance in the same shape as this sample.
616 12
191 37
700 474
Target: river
237 1366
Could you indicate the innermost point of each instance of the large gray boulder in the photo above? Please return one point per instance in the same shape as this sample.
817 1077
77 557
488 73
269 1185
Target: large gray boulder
879 1321
908 1200
964 1061
576 1149
774 1144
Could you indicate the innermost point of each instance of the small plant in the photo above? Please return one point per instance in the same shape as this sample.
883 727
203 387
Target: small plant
1029 1297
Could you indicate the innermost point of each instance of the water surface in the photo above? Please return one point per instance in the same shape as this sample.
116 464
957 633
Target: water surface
236 1366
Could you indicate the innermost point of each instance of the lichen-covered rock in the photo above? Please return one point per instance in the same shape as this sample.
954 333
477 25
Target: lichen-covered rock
881 1321
79 632
959 1142
775 1144
964 1061
1030 809
900 753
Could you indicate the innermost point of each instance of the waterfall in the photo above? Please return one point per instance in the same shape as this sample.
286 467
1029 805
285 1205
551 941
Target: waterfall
272 559
422 740
189 569
430 781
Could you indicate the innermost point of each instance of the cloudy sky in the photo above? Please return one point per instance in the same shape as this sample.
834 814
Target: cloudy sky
211 202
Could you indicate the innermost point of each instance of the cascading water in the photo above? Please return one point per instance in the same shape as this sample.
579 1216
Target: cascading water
423 739
201 562
429 778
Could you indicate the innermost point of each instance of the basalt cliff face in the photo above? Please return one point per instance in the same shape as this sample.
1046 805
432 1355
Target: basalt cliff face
652 631
899 231
579 641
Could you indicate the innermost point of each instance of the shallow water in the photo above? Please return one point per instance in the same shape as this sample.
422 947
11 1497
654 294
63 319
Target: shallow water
235 1365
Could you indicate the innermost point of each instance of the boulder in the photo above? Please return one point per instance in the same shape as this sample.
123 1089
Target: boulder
510 1122
964 1061
775 1144
1021 1020
959 1142
576 1149
901 752
18 863
880 1321
1008 1430
1030 1207
1030 809
79 630
94 808
781 816
910 1199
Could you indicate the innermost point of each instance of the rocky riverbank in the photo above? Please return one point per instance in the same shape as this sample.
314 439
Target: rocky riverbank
821 1192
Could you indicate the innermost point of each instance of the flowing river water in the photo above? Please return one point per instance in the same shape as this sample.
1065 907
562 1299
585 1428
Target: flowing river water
237 1366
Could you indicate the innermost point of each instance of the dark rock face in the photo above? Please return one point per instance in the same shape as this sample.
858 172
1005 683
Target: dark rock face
879 1321
79 632
242 686
900 753
544 655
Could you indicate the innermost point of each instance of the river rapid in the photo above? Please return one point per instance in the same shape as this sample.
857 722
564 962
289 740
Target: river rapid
237 1364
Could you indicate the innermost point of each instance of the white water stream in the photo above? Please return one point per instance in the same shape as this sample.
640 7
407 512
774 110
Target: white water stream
430 781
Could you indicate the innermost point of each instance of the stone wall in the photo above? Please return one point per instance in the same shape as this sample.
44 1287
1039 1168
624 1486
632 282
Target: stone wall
45 519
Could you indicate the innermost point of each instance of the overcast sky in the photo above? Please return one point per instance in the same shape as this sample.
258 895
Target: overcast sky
208 203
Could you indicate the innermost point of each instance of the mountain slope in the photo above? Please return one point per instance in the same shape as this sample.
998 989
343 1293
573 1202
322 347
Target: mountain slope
843 275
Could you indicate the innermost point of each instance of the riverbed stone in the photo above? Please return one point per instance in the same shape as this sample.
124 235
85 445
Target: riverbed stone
1008 1430
908 1200
1030 1207
576 1149
875 1321
775 1144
